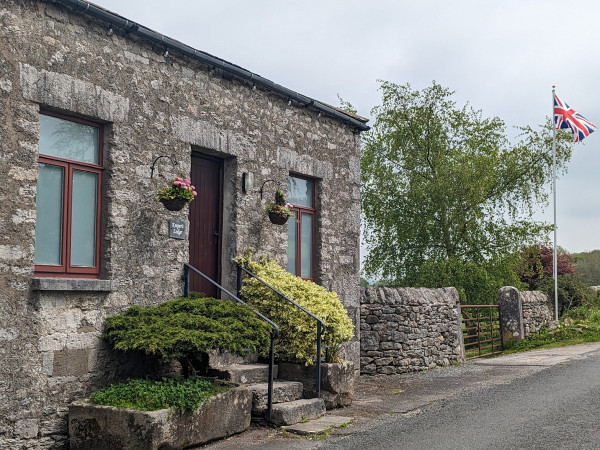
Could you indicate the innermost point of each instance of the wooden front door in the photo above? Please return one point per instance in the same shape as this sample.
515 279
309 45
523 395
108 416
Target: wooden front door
206 223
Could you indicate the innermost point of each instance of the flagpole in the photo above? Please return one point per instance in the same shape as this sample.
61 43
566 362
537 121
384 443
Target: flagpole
554 258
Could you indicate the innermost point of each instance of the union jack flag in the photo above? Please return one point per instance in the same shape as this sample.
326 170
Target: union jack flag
566 117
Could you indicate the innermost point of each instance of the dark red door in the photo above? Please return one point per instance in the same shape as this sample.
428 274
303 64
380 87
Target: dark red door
205 222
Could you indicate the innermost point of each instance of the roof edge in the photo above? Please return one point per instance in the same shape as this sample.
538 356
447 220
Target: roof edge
130 27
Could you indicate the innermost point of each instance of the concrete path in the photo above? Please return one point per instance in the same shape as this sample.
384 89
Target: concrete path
547 357
382 398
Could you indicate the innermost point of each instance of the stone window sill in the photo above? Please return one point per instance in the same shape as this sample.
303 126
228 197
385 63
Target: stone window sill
73 284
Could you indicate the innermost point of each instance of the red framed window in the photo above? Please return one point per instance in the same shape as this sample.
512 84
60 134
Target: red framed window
301 194
67 228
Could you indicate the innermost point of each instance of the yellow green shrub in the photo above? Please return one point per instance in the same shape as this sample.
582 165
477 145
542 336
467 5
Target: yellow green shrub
298 331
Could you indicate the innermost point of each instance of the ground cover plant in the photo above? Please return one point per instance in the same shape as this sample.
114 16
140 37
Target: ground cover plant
184 394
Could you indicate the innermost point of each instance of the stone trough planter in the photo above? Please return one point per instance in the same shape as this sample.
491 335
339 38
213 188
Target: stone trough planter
337 381
108 428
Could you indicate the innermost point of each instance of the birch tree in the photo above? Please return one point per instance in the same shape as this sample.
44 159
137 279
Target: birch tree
446 198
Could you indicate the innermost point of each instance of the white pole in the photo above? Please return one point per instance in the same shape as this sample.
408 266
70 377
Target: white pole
554 258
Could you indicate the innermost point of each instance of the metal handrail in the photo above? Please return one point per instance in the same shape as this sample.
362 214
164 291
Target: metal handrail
274 334
321 328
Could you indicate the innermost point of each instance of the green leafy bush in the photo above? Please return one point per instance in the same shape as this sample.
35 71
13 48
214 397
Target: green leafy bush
572 292
184 327
184 394
298 331
537 263
477 282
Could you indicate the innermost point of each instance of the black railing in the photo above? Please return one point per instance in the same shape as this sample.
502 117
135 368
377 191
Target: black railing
274 334
320 324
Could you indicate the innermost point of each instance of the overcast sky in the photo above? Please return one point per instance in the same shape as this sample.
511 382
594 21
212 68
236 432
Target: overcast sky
502 57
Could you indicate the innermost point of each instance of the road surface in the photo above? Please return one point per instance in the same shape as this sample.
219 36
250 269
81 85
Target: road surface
542 399
555 408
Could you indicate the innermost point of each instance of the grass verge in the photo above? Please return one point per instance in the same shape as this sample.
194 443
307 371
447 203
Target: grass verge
577 327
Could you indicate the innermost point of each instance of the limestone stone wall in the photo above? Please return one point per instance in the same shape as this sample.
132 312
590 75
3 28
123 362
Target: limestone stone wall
537 311
150 105
407 329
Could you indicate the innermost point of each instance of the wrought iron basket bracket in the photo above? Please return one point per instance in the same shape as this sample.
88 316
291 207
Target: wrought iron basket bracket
263 185
152 167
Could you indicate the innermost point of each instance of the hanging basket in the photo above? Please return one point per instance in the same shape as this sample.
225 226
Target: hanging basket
174 204
277 219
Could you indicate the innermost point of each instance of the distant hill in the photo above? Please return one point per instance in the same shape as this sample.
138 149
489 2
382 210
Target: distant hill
588 267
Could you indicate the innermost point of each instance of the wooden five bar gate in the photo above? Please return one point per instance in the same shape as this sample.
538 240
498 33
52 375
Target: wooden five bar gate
481 330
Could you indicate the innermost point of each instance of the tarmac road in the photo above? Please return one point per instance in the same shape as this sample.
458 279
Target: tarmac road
556 408
544 399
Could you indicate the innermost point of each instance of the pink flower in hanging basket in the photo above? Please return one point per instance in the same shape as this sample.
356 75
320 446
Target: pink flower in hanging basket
178 189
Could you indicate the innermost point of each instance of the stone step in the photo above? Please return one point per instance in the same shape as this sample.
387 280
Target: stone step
218 358
243 373
290 413
283 391
319 426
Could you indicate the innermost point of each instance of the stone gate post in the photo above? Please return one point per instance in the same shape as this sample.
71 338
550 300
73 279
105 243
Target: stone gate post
510 308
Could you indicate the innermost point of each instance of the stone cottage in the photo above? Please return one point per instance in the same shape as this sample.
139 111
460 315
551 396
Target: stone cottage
89 101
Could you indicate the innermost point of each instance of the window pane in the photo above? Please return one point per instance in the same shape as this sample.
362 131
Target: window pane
68 140
291 248
300 192
48 225
306 246
83 220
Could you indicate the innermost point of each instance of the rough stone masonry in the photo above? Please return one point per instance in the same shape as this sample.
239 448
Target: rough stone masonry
408 329
538 312
53 58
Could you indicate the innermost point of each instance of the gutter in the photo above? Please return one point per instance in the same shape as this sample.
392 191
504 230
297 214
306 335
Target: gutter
171 44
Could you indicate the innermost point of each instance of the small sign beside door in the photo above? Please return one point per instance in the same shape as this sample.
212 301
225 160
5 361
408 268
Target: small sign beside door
177 229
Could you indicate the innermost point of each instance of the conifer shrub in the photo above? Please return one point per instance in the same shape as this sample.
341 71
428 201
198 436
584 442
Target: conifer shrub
297 330
184 328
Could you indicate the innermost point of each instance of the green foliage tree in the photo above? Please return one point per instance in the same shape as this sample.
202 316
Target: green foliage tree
346 106
445 193
184 328
588 267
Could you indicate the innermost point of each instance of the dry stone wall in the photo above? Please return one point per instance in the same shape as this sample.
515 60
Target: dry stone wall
407 329
537 312
150 105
